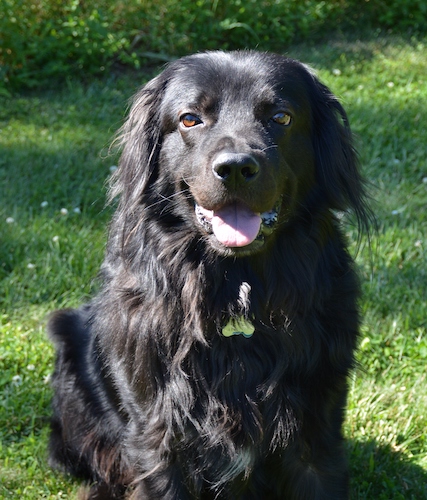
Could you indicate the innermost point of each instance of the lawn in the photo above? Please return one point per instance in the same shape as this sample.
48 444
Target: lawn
54 164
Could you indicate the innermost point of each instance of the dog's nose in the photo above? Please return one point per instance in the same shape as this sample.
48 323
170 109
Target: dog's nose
235 168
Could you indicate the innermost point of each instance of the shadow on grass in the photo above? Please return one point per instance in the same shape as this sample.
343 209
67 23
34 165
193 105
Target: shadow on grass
381 473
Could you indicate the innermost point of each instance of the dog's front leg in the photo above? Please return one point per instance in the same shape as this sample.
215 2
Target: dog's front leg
158 472
165 482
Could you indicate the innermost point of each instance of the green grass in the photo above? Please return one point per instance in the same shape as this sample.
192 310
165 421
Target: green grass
53 148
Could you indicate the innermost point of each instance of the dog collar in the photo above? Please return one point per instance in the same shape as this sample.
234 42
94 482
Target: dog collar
239 326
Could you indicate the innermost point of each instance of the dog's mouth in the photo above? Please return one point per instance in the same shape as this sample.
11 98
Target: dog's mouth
235 225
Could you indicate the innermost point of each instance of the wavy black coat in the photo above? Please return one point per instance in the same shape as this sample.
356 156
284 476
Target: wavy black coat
151 400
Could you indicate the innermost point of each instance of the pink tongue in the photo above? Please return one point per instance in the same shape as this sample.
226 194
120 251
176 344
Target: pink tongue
235 225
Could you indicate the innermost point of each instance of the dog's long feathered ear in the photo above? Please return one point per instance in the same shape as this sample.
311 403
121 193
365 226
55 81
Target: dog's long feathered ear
139 140
337 163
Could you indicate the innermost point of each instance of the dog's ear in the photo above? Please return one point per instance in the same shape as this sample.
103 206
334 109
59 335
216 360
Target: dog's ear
139 140
337 163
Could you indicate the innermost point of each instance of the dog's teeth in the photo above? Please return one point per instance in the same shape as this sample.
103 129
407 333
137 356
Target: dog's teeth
269 218
201 217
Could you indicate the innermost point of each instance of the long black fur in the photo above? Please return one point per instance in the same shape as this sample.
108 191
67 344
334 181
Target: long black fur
151 400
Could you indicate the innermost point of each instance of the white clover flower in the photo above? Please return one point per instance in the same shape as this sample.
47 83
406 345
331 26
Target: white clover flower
77 210
31 368
10 220
55 239
44 204
336 72
365 342
64 211
30 265
17 379
390 85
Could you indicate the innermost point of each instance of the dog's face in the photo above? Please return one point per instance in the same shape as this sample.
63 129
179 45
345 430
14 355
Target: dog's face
242 139
238 137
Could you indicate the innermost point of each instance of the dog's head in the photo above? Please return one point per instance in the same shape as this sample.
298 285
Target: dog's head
235 144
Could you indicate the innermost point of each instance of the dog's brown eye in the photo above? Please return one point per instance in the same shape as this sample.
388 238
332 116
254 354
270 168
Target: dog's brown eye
282 118
189 120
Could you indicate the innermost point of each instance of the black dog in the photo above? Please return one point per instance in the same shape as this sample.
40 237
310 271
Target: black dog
214 361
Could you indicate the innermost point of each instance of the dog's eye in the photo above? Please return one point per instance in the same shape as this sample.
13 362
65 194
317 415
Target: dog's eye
188 120
282 118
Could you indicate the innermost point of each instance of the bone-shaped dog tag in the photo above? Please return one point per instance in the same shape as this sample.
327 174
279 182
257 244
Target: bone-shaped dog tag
239 326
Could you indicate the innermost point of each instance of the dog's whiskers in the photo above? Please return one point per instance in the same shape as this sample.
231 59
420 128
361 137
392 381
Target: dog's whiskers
188 180
273 146
164 198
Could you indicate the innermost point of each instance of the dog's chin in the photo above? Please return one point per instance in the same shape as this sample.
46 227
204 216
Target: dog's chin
243 244
255 247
